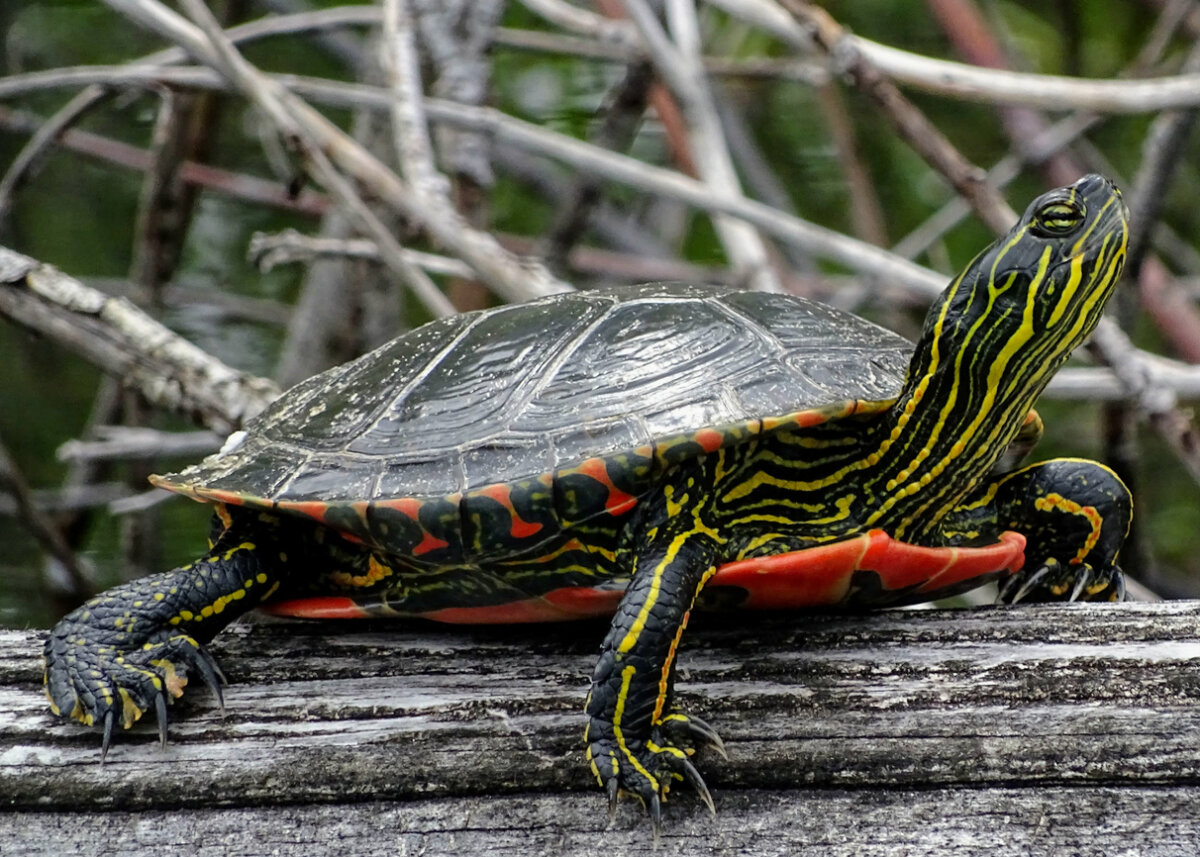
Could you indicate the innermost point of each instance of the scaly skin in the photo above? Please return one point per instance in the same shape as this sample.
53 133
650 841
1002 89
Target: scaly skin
924 471
132 647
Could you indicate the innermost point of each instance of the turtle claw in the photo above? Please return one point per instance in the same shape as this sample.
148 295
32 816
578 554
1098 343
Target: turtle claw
697 782
160 711
106 740
655 808
110 685
1082 579
1016 588
211 674
646 769
1054 581
693 732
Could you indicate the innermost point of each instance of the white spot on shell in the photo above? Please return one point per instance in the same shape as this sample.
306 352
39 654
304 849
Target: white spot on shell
231 443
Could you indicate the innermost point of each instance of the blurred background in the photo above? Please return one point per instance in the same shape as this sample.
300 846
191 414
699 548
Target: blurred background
156 190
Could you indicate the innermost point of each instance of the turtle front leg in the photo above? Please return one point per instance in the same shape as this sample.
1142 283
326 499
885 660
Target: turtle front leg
637 741
132 647
1075 515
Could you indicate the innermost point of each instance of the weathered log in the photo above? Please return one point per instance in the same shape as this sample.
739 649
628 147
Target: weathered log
1034 730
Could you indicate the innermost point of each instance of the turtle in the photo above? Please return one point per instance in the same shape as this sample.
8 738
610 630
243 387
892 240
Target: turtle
641 452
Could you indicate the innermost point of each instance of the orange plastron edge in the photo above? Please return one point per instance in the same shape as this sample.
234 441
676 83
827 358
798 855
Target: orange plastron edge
822 575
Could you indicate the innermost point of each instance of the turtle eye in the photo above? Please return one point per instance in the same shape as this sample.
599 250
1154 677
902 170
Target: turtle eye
1056 219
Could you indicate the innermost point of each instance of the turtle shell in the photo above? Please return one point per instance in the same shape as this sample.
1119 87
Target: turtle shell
475 434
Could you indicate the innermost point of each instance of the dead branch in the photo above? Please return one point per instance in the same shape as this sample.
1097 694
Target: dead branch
165 369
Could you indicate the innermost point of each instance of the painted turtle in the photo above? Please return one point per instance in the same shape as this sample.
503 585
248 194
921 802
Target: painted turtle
630 451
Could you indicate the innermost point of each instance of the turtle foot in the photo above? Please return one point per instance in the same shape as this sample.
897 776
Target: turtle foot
90 679
647 769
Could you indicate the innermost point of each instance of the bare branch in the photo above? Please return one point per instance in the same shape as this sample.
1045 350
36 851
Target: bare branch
289 246
323 145
991 86
167 370
402 69
678 64
138 443
35 521
921 134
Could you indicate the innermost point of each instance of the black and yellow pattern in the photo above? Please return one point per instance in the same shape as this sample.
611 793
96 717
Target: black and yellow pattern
614 450
921 471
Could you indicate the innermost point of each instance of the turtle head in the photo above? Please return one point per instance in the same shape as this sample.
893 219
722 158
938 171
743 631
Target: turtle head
990 344
1007 322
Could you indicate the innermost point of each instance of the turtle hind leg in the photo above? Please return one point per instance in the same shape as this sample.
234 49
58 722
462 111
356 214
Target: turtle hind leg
1075 515
132 648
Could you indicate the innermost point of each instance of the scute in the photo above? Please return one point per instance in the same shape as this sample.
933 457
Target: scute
511 394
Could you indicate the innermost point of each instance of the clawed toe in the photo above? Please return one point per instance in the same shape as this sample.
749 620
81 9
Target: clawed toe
120 686
646 770
692 776
693 732
1055 581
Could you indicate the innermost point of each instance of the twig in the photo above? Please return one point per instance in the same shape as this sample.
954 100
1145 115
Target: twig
138 443
458 39
289 246
237 185
410 133
621 116
921 134
167 370
677 61
1154 399
989 86
1161 155
166 202
35 521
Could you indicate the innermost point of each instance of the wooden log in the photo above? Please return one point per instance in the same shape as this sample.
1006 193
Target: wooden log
1034 730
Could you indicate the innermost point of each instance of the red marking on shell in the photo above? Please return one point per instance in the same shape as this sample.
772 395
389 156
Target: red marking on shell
810 418
318 608
710 440
618 502
822 575
519 528
409 507
429 543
